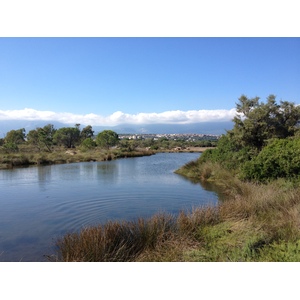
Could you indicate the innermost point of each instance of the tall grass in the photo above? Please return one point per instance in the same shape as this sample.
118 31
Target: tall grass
254 223
142 239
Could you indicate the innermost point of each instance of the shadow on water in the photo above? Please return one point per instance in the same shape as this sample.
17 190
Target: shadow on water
207 186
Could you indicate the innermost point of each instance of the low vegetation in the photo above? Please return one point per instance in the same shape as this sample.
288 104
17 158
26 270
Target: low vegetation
62 156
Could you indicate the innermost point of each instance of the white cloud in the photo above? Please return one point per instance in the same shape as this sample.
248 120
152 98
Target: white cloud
167 117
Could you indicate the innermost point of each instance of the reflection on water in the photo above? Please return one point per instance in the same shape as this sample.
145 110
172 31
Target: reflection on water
38 204
208 186
44 176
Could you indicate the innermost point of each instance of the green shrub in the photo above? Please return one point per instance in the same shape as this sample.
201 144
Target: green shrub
279 159
228 154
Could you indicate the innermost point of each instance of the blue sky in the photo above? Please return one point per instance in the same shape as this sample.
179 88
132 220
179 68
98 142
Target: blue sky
142 80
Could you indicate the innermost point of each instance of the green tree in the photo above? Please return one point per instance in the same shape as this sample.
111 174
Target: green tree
42 137
88 144
86 132
107 139
67 136
257 122
33 138
15 136
255 125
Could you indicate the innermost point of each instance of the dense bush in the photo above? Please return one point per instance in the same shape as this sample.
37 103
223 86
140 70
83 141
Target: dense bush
279 159
228 154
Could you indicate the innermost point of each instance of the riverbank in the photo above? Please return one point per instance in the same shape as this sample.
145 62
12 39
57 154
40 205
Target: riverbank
257 222
63 156
253 223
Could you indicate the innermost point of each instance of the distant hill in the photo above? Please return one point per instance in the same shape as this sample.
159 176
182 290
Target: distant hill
6 126
215 128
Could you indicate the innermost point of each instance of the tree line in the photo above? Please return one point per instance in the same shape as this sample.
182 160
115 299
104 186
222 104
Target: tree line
45 138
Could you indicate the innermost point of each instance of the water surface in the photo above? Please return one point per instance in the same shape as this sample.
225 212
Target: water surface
39 204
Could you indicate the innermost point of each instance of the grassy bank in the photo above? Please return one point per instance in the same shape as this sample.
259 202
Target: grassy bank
27 156
258 222
253 223
61 156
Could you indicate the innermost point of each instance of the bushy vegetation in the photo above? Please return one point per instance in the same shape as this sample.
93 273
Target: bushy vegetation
279 159
264 143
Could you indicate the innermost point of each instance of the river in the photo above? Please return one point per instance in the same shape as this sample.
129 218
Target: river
39 204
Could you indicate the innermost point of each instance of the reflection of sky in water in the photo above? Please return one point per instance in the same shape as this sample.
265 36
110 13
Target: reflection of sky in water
38 203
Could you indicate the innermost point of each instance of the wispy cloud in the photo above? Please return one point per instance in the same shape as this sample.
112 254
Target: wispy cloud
167 117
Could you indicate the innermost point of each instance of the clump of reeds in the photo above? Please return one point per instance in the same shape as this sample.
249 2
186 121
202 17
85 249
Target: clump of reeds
143 239
114 241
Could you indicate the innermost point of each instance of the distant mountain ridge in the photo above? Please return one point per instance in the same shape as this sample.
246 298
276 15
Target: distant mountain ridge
214 128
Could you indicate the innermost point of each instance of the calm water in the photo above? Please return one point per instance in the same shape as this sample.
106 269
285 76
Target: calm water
39 204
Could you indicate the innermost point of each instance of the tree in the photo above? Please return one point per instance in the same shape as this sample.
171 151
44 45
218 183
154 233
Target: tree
88 144
86 132
33 138
15 136
255 126
258 122
42 137
67 136
107 138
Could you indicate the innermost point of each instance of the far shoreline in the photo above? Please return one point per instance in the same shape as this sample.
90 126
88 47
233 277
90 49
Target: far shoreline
66 156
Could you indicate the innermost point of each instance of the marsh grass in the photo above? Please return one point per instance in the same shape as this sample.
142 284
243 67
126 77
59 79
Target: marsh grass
162 237
61 156
115 241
